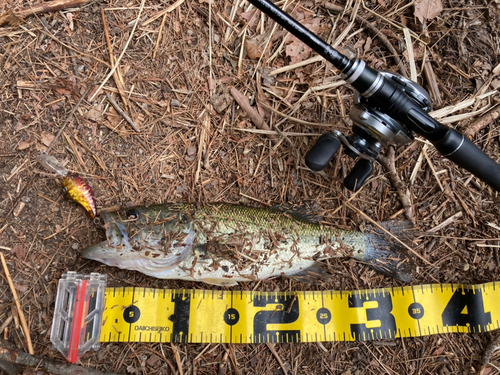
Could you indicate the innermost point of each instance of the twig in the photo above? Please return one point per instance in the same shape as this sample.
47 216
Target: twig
295 119
21 358
116 75
386 231
418 164
121 54
445 223
431 166
177 358
482 122
12 18
159 35
232 356
278 358
338 9
388 162
122 112
255 116
432 81
205 129
492 346
165 11
18 305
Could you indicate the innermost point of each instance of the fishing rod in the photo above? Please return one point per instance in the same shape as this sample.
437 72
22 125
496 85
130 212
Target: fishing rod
388 110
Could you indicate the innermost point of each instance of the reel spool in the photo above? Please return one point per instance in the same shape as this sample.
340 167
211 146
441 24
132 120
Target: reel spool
372 130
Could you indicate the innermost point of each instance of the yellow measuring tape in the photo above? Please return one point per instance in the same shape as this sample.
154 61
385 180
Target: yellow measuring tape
205 316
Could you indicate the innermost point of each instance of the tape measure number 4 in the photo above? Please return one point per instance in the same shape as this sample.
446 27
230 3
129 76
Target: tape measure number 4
202 316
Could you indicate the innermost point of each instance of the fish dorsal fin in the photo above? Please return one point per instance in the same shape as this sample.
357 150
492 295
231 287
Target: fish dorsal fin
300 213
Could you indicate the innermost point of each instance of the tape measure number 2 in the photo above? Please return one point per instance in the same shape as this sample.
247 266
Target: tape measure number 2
203 316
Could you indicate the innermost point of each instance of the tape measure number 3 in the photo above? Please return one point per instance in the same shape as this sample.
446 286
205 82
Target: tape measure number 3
208 316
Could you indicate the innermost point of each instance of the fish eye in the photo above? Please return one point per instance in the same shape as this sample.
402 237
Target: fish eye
132 214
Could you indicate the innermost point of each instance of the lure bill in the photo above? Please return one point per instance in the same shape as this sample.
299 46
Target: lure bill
51 164
223 244
76 187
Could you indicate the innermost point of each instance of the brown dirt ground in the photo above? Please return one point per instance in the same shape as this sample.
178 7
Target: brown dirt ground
169 98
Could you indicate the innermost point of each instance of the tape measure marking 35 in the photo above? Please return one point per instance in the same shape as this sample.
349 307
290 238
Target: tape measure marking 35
204 316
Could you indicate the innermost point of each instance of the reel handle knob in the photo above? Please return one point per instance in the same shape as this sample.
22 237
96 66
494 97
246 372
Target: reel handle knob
322 152
358 175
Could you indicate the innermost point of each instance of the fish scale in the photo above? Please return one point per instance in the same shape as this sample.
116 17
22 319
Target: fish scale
224 244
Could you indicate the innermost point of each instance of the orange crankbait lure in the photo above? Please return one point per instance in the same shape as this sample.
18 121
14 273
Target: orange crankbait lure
76 187
78 190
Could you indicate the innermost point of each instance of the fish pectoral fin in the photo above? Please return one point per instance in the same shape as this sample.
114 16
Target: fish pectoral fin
220 282
315 272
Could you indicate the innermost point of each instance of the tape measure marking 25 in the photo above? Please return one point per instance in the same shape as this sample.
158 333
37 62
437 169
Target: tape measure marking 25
204 316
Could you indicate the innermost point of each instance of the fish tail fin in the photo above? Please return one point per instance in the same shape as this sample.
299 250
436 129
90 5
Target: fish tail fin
389 256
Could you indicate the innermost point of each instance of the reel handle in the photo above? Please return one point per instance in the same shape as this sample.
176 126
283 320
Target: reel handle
322 152
358 175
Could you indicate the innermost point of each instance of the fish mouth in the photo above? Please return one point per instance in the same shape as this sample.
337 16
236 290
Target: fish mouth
115 249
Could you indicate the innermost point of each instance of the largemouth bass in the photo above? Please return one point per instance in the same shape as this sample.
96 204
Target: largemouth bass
224 244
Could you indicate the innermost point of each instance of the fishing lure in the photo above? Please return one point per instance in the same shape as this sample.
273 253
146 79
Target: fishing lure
75 186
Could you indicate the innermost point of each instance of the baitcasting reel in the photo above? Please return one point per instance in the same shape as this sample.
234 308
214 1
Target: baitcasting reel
371 131
391 109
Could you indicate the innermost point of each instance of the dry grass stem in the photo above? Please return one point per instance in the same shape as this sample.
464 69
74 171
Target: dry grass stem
117 62
20 311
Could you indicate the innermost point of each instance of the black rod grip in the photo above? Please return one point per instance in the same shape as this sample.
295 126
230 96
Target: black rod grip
459 149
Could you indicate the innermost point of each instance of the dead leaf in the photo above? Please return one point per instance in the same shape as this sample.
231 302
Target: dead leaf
427 9
439 351
18 251
94 115
47 138
368 45
69 16
418 53
252 17
296 50
10 18
191 150
359 43
21 288
131 369
153 360
23 145
62 91
221 99
253 50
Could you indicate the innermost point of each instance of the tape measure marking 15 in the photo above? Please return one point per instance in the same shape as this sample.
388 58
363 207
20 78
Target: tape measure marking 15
203 316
